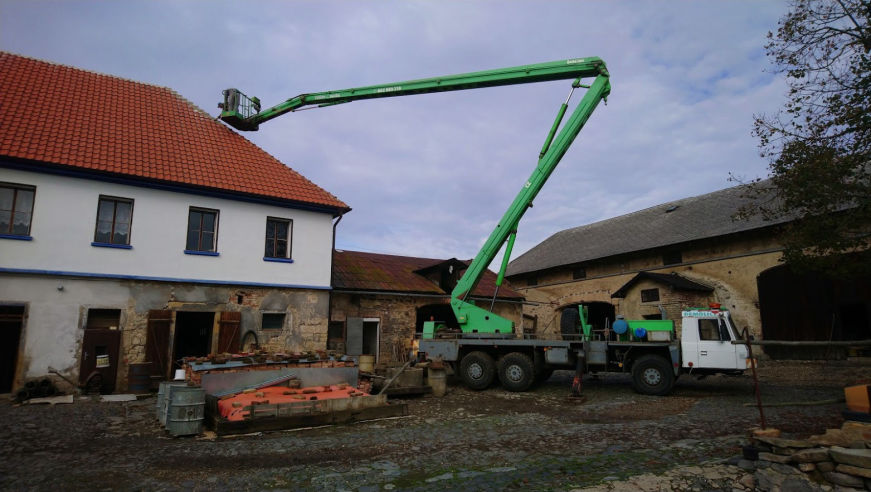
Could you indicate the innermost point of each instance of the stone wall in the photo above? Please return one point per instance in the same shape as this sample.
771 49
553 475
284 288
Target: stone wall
397 315
57 311
730 265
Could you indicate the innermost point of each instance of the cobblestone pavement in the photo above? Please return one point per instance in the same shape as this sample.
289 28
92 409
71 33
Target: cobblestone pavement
492 440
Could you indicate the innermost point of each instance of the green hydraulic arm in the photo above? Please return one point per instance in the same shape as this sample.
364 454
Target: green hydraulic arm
244 113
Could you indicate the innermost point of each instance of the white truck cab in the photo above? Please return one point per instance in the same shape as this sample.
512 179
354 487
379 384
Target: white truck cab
706 341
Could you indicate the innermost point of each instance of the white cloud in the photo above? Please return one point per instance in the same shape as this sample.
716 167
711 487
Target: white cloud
430 175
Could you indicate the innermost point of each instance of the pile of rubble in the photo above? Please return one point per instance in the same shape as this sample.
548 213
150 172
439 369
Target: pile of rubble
840 457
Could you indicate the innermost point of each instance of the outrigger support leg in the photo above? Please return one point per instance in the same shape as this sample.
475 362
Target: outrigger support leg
577 382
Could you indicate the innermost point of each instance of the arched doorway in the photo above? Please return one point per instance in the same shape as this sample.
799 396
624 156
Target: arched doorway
600 315
810 306
436 312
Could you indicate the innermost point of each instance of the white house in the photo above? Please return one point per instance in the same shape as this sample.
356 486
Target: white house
135 228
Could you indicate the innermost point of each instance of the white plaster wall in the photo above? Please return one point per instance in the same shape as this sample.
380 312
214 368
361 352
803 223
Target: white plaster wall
52 333
64 219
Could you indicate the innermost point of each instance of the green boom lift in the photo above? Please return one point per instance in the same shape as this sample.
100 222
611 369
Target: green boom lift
244 113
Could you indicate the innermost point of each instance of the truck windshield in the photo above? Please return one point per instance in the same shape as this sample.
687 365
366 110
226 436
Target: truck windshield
713 329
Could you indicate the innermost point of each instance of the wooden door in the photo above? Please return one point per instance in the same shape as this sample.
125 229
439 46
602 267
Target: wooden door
157 343
228 338
100 349
354 336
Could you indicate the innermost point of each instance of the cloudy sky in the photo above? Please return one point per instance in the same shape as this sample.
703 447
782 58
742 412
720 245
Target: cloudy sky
430 175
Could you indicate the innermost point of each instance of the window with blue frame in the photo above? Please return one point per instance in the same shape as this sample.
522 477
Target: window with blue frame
114 221
16 209
278 238
202 230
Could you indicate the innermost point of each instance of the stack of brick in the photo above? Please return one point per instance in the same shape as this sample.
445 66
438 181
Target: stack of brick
840 457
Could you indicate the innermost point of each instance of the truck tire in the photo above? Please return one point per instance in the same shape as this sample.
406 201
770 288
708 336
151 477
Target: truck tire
652 375
516 372
477 370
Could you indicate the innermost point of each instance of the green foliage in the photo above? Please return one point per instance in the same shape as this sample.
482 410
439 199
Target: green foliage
819 143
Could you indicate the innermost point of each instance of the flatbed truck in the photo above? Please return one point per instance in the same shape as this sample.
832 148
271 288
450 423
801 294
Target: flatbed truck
648 350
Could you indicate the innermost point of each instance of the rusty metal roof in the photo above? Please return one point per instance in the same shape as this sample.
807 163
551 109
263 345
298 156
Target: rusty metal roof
359 271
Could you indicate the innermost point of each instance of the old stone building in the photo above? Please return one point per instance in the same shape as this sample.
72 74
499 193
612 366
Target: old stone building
379 302
134 228
687 253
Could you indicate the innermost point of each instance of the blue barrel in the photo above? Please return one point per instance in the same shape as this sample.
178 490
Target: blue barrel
186 411
139 378
620 326
640 332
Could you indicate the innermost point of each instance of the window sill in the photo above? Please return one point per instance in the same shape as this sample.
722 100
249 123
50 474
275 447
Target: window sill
110 245
201 253
278 260
16 237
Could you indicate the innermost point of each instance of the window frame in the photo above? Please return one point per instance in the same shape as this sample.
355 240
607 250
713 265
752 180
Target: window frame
708 326
15 187
647 295
270 220
111 244
213 251
670 258
263 316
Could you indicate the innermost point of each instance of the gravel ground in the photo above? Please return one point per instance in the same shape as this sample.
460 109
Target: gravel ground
613 439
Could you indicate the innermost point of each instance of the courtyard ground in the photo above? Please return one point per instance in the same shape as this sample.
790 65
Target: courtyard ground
613 439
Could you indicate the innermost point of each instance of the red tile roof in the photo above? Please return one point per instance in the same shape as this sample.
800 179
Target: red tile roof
355 270
74 118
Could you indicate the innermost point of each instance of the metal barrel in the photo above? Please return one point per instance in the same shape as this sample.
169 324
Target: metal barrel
164 396
139 377
437 381
186 411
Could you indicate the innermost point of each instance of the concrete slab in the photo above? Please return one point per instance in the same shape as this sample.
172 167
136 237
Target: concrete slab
51 400
124 397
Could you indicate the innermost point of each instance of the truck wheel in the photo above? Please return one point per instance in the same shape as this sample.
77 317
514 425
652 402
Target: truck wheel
477 370
516 372
652 375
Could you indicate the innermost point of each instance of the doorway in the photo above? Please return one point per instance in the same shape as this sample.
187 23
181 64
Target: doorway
363 336
370 337
101 345
11 323
442 313
193 335
600 315
811 306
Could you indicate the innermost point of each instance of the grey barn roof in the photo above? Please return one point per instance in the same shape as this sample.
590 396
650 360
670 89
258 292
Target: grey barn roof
689 219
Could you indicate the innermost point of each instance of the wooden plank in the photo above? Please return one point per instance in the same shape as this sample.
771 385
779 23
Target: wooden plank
264 424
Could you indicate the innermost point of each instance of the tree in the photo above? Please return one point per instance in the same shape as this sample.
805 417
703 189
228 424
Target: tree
819 143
